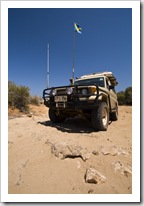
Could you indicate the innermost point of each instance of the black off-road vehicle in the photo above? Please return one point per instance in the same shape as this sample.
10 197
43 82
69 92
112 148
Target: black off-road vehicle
92 96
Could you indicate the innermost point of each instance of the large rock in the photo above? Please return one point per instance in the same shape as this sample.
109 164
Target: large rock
64 150
93 176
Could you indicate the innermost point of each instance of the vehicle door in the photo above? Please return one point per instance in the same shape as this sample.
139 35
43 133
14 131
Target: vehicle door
113 96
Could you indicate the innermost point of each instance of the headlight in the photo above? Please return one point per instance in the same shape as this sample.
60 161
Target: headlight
84 91
69 90
53 92
92 89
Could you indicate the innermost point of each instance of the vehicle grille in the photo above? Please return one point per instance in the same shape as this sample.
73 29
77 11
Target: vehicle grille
62 91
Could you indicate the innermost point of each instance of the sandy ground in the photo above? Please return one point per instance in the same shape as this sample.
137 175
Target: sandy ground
44 158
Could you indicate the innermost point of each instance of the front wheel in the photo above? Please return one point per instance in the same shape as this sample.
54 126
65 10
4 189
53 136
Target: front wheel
100 117
55 116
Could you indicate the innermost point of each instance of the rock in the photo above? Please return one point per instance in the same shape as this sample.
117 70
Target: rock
93 176
94 152
30 114
113 150
63 150
118 166
58 149
90 191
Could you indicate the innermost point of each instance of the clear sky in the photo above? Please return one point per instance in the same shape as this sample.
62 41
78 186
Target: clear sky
104 45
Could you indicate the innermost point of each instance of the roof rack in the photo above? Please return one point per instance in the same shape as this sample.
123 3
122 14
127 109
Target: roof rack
109 75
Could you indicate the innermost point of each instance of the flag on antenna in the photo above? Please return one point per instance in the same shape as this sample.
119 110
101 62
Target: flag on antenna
77 28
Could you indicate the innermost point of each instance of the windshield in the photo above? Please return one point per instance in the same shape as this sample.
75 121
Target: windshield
98 81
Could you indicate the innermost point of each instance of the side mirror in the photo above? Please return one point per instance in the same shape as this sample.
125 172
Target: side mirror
71 81
111 87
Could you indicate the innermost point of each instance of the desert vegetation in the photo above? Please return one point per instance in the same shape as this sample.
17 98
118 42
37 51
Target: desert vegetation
19 97
125 97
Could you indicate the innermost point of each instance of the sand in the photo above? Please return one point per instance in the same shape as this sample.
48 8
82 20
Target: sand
47 158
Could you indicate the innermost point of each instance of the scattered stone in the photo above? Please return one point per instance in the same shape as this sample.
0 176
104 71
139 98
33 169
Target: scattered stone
129 188
90 191
113 150
30 114
118 166
95 152
94 177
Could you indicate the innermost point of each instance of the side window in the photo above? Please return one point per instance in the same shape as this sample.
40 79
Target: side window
100 81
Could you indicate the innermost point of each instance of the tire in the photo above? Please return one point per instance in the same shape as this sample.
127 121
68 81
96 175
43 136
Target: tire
100 117
114 115
55 116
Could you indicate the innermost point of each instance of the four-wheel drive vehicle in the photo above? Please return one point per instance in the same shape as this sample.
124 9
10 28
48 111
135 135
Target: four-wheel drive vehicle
92 96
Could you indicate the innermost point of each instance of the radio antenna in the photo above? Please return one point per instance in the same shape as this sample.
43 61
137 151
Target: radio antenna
48 66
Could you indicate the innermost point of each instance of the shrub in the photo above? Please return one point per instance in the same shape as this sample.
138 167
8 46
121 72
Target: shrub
125 97
128 96
121 98
35 100
18 96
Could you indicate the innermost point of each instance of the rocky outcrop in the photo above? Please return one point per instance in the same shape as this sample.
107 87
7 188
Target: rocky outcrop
64 150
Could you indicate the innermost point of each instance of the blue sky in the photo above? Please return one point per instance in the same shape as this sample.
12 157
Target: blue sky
104 45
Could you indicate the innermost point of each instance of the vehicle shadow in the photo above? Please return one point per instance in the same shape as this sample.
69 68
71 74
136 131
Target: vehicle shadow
71 125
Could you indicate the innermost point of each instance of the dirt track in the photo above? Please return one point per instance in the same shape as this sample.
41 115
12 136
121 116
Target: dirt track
45 158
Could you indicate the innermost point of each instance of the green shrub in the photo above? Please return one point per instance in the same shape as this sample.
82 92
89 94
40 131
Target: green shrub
125 97
121 98
18 96
128 96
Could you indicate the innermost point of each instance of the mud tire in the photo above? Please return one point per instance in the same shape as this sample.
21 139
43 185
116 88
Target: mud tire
55 116
100 117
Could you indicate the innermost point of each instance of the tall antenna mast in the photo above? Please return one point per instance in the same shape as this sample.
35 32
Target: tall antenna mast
78 30
73 53
48 66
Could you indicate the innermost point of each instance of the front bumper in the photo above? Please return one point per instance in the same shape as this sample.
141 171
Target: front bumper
76 105
75 101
